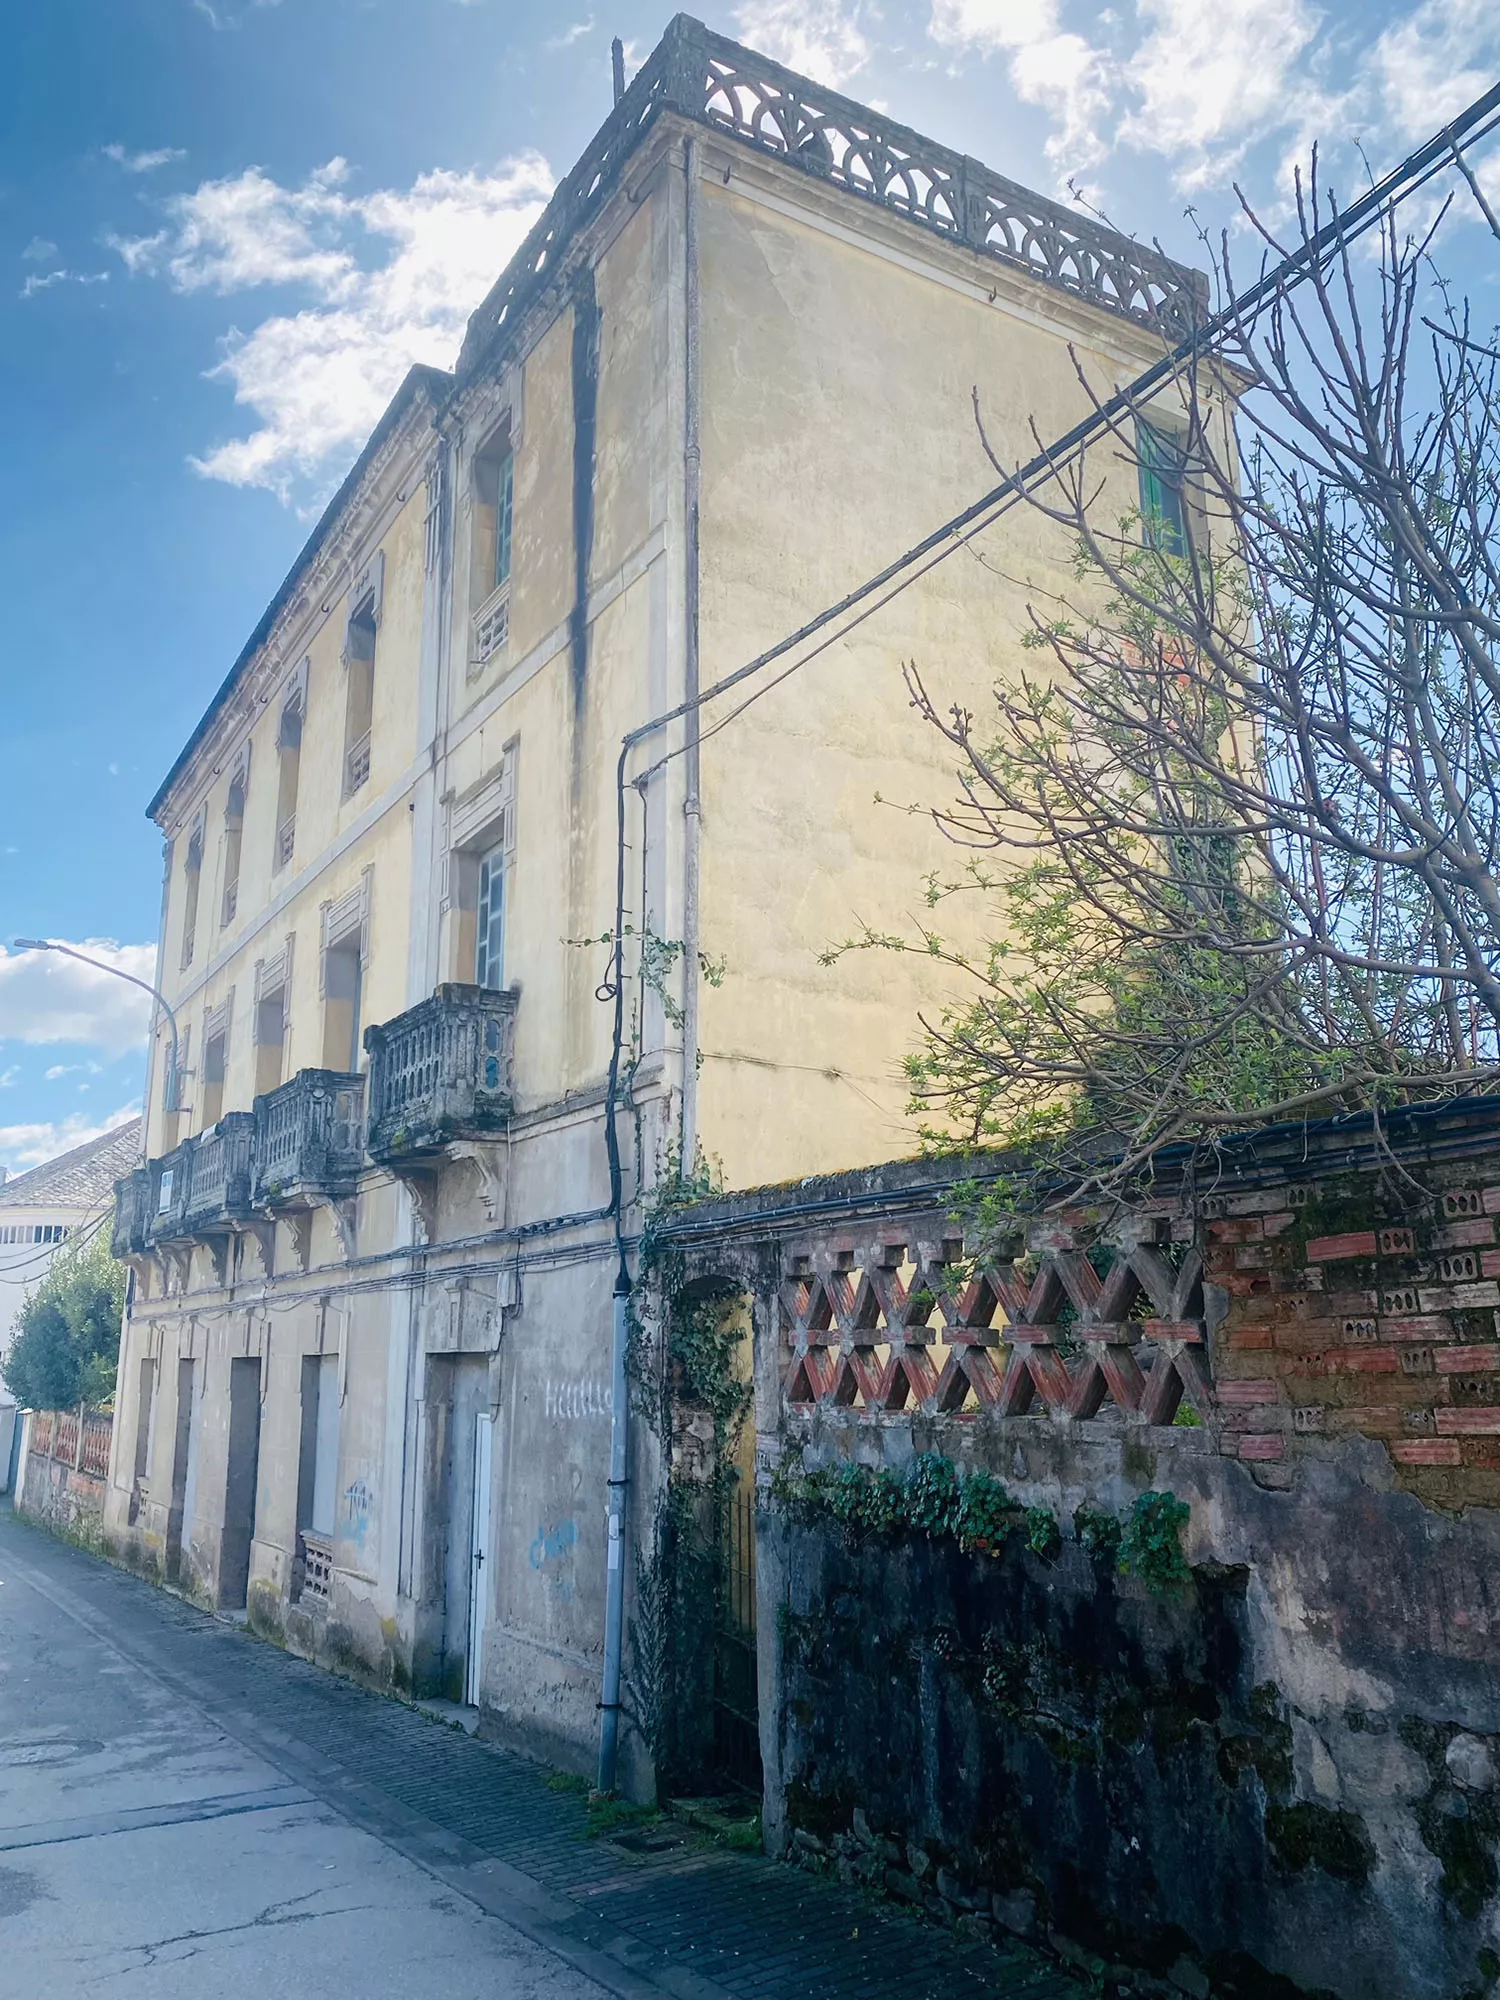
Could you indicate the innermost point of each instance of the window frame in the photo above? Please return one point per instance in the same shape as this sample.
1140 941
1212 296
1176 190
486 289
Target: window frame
1162 468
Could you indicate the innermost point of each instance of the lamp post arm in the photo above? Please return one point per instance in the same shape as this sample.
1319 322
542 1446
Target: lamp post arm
46 944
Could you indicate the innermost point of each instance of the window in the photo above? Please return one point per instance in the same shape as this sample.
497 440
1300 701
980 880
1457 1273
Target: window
234 828
345 939
215 1061
270 1039
359 671
505 495
33 1232
489 948
1162 460
494 522
289 770
192 875
273 978
481 861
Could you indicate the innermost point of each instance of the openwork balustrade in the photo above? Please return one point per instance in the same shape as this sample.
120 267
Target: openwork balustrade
899 1325
309 1137
129 1236
217 1173
717 82
441 1071
168 1197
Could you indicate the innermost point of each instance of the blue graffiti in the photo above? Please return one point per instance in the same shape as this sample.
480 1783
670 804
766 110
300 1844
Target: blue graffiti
551 1543
358 1502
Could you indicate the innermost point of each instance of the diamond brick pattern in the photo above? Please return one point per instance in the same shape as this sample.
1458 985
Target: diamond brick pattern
905 1325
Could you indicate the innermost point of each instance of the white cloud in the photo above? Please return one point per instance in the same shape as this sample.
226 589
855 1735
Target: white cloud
824 39
38 250
45 997
1429 66
8 1076
1049 66
318 379
43 281
1210 80
23 1146
573 34
143 163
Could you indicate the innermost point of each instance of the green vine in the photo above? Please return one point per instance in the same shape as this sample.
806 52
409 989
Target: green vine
1151 1546
681 1360
934 1500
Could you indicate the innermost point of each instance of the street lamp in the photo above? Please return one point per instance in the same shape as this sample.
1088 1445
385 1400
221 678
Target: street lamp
46 944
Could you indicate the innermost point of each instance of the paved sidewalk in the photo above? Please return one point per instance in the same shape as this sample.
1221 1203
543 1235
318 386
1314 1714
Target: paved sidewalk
223 1736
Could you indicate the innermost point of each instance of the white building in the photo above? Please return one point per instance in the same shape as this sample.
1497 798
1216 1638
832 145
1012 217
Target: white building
40 1211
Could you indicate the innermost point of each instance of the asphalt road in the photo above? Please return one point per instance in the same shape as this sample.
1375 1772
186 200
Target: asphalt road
144 1851
186 1811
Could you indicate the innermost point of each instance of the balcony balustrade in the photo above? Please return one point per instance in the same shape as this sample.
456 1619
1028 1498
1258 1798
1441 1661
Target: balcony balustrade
301 1143
218 1172
357 765
167 1207
440 1071
309 1138
129 1237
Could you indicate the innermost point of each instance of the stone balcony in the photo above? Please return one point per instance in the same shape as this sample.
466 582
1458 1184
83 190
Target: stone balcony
129 1236
309 1139
439 1072
302 1144
217 1172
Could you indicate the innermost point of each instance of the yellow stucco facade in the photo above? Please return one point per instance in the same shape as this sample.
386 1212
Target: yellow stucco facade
718 390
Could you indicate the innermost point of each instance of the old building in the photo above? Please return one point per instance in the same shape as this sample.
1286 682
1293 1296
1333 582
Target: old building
368 1372
39 1212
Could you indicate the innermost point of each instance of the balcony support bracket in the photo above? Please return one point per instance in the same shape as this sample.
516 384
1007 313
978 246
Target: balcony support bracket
489 1160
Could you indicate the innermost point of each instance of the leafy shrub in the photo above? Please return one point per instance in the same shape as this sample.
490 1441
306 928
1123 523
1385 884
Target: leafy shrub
986 1514
1151 1547
1098 1534
1043 1536
932 1495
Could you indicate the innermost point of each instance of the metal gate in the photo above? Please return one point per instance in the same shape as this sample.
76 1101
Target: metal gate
736 1710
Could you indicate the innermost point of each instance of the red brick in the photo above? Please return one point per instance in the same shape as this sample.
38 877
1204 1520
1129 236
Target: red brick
1492 1201
1489 1263
1274 1225
1481 1422
1467 1360
1363 1361
1260 1390
1240 1284
1236 1229
1427 1451
1269 1444
1463 1235
1480 1450
1426 1326
1367 1420
1248 1339
1332 1249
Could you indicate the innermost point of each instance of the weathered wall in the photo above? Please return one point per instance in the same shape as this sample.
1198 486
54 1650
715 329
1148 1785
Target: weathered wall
1286 1768
839 371
62 1497
1264 1771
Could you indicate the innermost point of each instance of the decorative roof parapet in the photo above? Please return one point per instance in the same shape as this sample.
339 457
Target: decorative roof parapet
721 84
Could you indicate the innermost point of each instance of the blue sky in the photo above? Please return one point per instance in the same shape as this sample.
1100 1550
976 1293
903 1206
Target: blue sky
227 225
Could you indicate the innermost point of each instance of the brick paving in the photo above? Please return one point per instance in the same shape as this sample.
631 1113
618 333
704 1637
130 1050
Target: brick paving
688 1919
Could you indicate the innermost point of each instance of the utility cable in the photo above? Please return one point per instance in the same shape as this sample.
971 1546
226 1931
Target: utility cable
1398 185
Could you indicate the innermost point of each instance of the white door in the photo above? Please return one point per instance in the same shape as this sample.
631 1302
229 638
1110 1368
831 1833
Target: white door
479 1551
